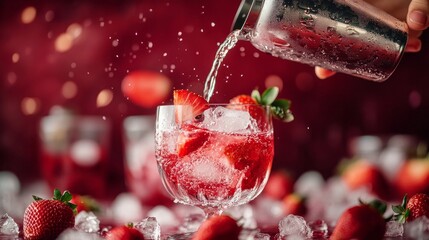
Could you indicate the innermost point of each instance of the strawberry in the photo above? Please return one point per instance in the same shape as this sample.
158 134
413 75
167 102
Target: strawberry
255 111
189 140
413 177
279 185
127 232
294 204
362 222
279 107
416 207
85 203
47 218
146 88
361 173
221 227
188 105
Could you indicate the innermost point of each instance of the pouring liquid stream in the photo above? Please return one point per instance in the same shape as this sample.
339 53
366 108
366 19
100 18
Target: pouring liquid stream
221 53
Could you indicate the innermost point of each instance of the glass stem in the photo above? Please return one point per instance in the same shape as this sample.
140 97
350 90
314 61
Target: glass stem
211 212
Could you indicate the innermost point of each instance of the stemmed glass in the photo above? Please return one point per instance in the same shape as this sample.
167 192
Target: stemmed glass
218 159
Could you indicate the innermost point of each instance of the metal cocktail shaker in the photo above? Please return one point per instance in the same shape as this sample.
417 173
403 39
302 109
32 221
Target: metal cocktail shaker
348 36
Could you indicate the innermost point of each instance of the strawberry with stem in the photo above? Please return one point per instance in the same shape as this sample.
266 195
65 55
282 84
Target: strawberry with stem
280 108
417 206
47 218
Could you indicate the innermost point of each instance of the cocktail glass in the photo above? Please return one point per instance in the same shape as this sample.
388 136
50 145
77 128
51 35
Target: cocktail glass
216 160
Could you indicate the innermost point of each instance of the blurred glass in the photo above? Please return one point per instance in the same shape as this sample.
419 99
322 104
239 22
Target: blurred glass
141 172
74 153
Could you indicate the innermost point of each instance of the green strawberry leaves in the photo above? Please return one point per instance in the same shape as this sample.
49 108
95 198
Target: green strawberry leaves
401 212
280 108
65 197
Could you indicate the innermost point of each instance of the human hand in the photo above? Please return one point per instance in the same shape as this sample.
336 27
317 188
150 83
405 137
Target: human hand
414 12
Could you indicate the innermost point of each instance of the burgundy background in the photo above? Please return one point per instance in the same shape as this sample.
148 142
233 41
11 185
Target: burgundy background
328 113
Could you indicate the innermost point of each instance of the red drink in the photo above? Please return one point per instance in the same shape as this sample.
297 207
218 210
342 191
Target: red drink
203 163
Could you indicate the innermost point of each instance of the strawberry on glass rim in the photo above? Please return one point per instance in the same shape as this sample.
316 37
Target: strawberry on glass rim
188 105
280 108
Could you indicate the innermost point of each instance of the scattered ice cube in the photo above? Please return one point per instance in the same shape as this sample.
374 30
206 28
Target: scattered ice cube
9 190
127 208
417 229
391 160
164 216
191 223
309 183
244 215
293 225
150 228
394 229
268 212
72 234
319 229
87 222
226 120
9 183
8 226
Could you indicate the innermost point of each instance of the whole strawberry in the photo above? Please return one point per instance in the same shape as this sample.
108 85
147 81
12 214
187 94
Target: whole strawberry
47 218
362 222
416 207
280 108
127 232
221 227
85 203
361 173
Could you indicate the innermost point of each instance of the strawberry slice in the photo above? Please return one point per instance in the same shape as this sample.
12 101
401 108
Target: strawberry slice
190 140
189 105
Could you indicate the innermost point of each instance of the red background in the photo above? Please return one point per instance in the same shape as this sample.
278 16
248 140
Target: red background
328 113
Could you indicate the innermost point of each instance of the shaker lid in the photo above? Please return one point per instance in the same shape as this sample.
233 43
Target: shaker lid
247 12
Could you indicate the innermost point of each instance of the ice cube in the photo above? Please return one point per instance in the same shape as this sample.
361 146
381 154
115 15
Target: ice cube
391 160
244 214
417 229
72 234
293 225
8 226
164 216
394 229
309 183
226 120
207 171
87 222
150 228
9 183
319 229
268 212
127 208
